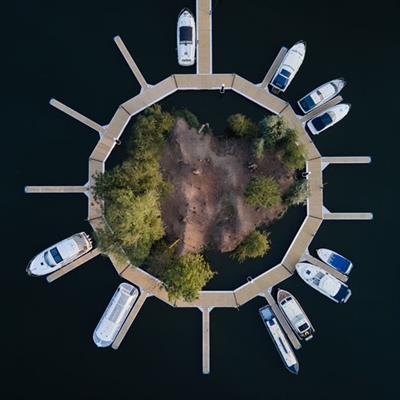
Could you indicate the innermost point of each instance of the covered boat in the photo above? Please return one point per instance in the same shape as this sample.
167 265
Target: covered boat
278 337
289 66
60 254
115 314
321 95
295 315
186 38
328 118
335 260
324 282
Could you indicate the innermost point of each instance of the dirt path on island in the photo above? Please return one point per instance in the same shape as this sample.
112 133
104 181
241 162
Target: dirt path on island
206 207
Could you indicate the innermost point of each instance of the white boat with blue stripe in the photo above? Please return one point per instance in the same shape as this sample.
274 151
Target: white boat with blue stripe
324 282
115 315
321 95
288 68
186 38
335 260
281 343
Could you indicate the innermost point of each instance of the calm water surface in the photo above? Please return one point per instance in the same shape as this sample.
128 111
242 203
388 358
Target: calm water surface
65 50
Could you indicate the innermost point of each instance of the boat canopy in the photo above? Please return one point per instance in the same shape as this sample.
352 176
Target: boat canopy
340 263
322 121
186 34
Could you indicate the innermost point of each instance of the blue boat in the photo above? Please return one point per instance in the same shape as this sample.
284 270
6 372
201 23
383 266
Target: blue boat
281 343
335 260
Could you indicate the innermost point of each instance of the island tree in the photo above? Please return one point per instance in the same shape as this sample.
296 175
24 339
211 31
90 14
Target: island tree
255 244
263 191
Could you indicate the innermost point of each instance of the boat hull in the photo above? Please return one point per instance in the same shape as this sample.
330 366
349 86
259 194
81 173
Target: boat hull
186 38
324 282
295 315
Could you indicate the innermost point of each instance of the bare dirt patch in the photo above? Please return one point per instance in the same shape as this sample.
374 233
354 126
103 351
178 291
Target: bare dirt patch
209 175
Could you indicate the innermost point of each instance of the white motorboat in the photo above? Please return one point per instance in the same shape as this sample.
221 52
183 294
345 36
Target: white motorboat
324 282
295 315
335 260
59 255
186 38
115 314
321 95
288 67
328 118
278 337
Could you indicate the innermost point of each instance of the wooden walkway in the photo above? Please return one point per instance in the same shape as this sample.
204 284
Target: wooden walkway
204 36
56 189
129 320
308 257
271 72
206 339
75 264
282 320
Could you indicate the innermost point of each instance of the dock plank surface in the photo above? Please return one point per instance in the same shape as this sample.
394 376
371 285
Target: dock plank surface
204 36
129 320
73 265
282 320
206 340
272 69
313 260
56 189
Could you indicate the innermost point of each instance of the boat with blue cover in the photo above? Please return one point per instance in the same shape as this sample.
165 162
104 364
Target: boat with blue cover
335 260
281 343
324 282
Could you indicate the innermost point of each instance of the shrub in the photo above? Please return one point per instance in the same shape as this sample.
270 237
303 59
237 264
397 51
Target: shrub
263 191
273 129
255 244
188 116
185 276
297 193
257 148
241 126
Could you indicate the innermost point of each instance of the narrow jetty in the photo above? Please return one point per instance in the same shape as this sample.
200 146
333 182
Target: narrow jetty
73 265
56 189
204 36
282 320
308 257
333 102
206 339
273 68
129 319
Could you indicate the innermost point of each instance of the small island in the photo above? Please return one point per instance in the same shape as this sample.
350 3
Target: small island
182 189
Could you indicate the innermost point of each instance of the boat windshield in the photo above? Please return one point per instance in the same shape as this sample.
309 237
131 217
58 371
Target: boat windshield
56 255
303 327
280 81
48 260
322 121
285 72
185 34
307 103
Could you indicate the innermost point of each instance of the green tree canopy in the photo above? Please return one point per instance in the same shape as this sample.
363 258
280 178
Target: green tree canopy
241 126
297 193
273 129
185 276
263 191
255 244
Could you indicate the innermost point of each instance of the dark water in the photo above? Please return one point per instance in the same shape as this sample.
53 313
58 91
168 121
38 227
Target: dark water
65 50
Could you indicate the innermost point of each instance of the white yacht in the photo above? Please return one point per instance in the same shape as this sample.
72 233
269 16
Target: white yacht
281 343
60 254
295 315
328 118
186 38
324 282
321 95
288 67
115 314
335 260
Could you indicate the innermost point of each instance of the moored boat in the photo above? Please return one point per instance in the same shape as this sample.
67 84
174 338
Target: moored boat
60 254
328 118
115 314
295 315
280 341
186 38
321 95
324 282
335 260
288 67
